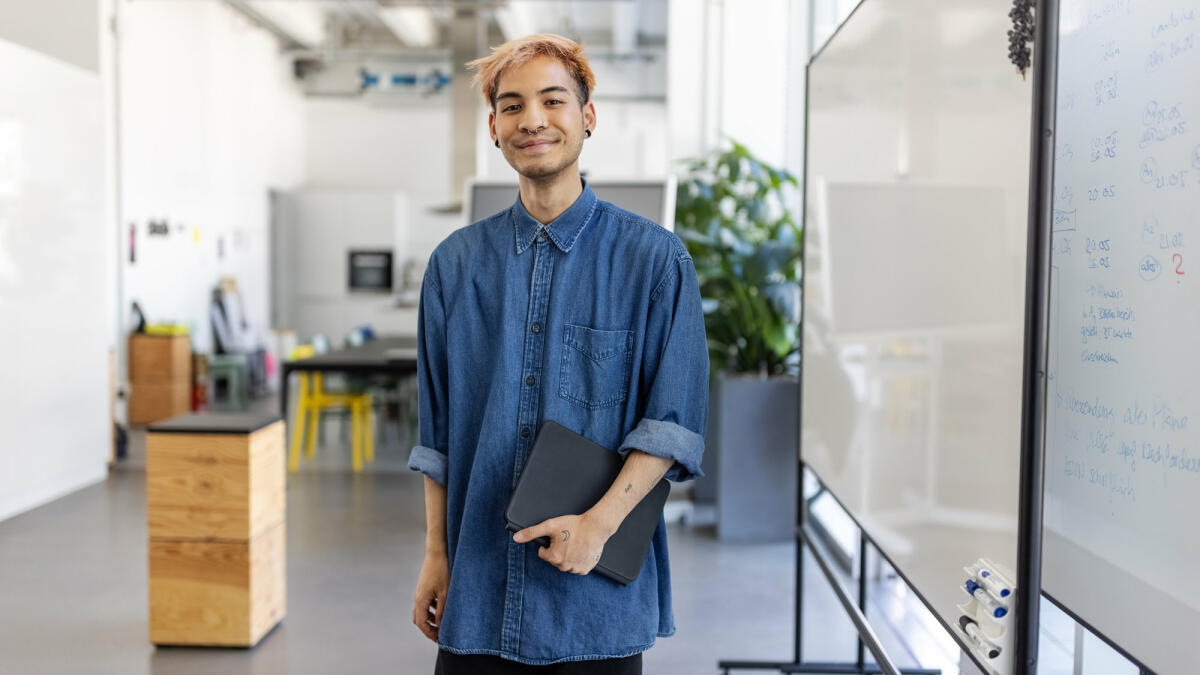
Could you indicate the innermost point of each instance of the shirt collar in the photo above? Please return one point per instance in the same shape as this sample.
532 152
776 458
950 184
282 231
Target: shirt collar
563 230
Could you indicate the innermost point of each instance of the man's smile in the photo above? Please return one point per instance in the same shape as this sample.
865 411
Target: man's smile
537 146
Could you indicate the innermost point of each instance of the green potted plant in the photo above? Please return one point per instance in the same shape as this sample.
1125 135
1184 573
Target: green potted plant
732 214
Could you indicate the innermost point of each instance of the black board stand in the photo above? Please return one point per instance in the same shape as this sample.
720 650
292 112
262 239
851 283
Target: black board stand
806 536
1032 452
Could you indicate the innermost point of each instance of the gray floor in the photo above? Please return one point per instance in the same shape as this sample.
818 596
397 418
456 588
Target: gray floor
73 587
72 575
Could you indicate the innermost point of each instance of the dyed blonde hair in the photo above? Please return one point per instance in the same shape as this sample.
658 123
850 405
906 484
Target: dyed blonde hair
517 52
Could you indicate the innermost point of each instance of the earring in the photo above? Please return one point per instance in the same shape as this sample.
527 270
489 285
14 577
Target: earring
497 142
587 132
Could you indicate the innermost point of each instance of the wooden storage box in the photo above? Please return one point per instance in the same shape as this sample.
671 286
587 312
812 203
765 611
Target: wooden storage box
159 359
150 403
160 377
215 511
218 593
214 485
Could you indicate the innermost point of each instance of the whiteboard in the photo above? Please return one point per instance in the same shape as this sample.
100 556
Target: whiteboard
916 218
1122 472
55 300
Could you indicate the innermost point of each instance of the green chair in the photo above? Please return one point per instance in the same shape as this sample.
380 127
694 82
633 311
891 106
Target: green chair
233 370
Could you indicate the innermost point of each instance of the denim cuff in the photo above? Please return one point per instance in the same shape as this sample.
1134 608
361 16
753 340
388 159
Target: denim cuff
669 441
429 462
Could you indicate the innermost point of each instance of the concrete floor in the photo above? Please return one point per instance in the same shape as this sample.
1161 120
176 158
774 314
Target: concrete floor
73 587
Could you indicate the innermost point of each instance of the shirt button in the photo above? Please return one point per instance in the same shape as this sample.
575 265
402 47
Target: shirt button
537 327
525 432
529 380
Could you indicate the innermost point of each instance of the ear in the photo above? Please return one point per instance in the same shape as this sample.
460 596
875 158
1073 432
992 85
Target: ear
589 116
492 124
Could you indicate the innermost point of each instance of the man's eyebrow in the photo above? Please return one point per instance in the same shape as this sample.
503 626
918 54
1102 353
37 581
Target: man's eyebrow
547 90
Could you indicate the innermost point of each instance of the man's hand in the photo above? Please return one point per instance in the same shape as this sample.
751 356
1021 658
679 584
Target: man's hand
576 542
432 585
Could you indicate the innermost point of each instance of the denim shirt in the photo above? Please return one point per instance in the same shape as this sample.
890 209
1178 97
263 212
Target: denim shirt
593 322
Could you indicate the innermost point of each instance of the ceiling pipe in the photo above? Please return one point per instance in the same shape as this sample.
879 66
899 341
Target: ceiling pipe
414 26
287 39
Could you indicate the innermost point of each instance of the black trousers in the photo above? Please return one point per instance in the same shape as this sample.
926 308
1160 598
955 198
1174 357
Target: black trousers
449 663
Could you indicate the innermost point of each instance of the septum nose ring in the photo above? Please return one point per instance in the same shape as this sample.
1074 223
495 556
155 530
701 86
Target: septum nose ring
535 130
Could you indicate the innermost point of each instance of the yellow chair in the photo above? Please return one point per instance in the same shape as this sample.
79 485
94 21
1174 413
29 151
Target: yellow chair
313 399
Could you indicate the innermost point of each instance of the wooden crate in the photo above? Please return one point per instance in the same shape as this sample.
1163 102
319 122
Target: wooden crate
156 401
217 593
159 359
206 485
215 511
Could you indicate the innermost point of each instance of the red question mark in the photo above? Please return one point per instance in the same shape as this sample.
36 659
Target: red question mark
1178 263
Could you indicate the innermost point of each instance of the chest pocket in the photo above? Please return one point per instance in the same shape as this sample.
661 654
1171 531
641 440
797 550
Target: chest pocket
595 366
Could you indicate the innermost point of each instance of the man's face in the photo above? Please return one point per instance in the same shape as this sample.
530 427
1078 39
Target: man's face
540 95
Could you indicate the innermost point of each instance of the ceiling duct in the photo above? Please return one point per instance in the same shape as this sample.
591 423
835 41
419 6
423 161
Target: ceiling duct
288 38
415 26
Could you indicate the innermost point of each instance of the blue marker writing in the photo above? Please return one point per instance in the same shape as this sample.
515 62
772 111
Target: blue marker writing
989 603
989 582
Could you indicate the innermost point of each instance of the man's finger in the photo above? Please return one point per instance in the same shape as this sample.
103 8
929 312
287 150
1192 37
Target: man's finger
426 630
424 613
420 610
427 627
551 556
441 606
530 533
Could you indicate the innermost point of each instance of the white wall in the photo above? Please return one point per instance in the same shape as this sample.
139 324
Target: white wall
350 143
692 43
64 29
53 296
755 76
321 225
400 147
211 120
737 71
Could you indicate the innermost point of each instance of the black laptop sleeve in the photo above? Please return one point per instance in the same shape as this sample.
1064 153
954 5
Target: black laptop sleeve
566 474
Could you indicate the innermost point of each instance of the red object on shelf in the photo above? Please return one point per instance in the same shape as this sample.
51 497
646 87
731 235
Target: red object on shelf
199 396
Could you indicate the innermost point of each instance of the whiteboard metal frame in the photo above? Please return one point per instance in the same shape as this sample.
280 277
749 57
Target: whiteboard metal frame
1036 335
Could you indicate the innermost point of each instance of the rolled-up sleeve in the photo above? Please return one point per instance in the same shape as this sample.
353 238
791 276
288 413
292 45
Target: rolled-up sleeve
674 375
430 457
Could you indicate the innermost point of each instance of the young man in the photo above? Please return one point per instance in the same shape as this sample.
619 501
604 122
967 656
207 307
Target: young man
566 308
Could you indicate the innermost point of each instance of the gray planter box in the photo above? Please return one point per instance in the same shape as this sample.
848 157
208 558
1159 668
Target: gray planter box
751 456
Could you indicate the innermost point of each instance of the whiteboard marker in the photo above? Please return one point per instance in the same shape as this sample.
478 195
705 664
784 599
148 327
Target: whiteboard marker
989 582
989 603
972 630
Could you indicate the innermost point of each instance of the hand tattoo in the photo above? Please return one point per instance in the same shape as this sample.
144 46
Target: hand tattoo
566 535
628 488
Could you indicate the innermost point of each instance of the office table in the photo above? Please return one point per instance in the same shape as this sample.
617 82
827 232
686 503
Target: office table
395 355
